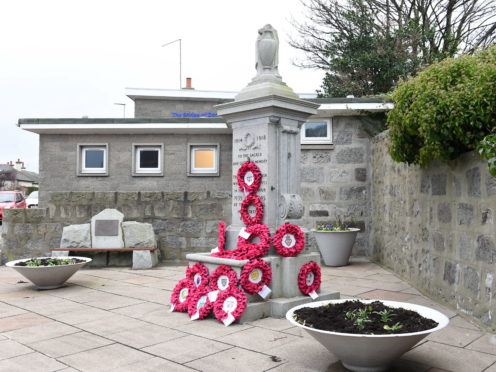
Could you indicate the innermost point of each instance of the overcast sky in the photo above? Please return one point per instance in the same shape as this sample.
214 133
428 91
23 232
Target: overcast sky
75 58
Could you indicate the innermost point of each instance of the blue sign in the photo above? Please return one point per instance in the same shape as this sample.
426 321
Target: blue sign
194 115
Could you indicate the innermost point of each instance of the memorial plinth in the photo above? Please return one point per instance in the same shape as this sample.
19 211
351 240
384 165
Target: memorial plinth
266 118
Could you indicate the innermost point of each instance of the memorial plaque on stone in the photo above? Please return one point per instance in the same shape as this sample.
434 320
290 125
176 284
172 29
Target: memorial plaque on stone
107 227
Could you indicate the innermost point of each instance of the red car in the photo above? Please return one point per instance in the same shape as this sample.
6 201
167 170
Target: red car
11 199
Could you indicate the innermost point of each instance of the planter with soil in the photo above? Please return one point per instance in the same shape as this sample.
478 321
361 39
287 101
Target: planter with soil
367 335
48 272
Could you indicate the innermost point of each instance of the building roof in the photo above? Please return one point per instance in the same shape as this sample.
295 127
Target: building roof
21 175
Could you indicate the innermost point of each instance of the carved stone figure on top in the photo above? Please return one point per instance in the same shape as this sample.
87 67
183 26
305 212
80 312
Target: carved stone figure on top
267 51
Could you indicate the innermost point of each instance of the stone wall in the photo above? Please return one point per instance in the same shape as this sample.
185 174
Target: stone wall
183 221
335 183
436 228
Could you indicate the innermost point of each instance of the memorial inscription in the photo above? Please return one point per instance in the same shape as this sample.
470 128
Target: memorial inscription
106 227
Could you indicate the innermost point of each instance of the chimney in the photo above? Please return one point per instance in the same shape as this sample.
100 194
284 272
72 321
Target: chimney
19 165
188 83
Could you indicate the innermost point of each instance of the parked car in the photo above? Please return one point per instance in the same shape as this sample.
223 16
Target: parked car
11 199
32 200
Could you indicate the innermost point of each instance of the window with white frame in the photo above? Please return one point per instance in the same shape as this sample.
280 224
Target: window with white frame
203 159
316 132
148 159
93 159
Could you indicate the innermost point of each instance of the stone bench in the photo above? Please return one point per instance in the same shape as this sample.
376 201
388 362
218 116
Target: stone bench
143 258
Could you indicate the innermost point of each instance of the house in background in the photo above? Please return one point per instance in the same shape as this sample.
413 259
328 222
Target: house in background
14 176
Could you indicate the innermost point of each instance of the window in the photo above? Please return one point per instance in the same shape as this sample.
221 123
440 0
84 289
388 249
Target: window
203 159
92 159
148 159
316 132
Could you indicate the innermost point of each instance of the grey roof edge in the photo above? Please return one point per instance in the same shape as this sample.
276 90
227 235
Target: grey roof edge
217 119
349 100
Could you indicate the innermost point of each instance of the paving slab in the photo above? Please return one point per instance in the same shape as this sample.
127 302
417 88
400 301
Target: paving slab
448 357
107 358
484 344
10 348
69 344
187 349
235 359
31 362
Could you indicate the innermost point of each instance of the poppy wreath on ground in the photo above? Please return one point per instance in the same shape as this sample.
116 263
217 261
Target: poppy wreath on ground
246 250
230 305
223 278
255 275
199 305
249 177
252 199
197 275
181 295
288 240
309 278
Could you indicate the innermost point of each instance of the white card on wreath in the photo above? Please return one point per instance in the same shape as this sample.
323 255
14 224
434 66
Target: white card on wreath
244 234
264 292
215 250
228 321
196 315
212 296
171 309
313 294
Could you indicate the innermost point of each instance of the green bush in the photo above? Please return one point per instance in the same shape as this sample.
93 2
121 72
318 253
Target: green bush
446 110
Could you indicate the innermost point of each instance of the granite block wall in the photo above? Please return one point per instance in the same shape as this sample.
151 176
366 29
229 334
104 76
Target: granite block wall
183 221
436 227
335 183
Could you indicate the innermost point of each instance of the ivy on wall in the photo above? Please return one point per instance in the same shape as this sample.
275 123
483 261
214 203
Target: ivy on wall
448 109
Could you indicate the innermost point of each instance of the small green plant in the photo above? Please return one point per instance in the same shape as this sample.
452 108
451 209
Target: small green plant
350 315
385 315
394 327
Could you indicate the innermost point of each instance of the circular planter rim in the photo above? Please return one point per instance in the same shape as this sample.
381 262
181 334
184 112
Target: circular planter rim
351 229
441 319
13 263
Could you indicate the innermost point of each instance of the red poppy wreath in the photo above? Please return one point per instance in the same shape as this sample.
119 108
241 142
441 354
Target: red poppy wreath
180 296
230 305
246 250
255 275
252 199
288 240
197 275
221 243
249 177
199 305
309 278
223 278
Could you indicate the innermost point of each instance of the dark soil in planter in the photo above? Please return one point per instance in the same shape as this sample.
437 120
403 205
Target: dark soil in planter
361 318
38 262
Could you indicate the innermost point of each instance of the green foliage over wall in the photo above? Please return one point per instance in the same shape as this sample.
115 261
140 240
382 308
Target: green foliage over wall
446 110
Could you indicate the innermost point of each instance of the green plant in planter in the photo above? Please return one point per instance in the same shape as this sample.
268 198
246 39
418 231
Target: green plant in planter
338 225
394 327
36 262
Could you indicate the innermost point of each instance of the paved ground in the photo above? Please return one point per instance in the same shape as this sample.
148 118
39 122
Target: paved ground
118 319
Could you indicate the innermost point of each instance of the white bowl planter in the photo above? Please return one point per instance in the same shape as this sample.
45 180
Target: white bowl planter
335 246
48 277
370 353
